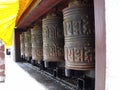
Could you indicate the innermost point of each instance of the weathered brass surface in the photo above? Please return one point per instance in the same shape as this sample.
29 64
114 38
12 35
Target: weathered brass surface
37 42
79 35
53 38
28 47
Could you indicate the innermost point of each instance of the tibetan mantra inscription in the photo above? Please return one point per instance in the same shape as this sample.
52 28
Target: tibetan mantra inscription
37 42
79 35
53 39
28 47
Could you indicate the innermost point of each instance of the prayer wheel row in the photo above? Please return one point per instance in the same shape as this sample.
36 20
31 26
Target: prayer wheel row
71 37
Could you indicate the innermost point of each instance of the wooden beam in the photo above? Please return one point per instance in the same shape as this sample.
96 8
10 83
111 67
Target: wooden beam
38 11
33 5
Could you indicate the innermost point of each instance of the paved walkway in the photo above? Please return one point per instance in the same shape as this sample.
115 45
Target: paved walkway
18 79
27 79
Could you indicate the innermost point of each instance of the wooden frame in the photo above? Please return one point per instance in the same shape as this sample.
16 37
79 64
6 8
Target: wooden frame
100 44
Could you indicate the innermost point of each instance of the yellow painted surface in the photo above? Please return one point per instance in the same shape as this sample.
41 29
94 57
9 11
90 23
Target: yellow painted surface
10 13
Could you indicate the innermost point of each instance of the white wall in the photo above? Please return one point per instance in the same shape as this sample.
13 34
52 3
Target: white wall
13 47
12 50
112 44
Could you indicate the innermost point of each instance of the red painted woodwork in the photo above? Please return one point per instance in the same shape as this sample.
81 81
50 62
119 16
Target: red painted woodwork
2 61
2 48
100 44
40 10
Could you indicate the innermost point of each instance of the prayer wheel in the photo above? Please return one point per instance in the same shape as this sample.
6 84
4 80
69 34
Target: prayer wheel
22 45
79 35
37 43
53 38
28 48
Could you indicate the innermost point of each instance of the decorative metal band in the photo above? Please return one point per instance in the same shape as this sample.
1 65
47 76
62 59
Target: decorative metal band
79 36
37 53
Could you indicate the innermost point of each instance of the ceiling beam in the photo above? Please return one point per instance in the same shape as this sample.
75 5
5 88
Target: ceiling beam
40 9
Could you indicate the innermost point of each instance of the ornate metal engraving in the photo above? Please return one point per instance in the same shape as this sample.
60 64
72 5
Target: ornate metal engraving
53 39
79 35
28 47
37 42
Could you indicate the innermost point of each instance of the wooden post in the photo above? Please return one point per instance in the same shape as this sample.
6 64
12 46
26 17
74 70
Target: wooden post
100 44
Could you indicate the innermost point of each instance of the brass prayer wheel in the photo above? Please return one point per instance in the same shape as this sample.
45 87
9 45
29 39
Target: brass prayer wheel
79 35
37 42
53 38
22 45
28 48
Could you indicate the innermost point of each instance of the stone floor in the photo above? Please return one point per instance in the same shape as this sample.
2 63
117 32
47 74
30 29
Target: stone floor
20 77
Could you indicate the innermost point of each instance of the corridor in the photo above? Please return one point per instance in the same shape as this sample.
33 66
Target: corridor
18 79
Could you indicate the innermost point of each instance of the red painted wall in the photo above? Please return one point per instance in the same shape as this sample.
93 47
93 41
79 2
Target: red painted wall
2 62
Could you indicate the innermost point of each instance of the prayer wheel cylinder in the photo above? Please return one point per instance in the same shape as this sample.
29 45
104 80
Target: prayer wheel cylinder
28 48
53 38
22 45
79 35
37 43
